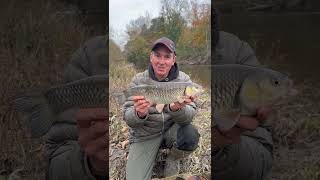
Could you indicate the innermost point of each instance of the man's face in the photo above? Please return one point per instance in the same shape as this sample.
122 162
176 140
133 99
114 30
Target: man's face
162 59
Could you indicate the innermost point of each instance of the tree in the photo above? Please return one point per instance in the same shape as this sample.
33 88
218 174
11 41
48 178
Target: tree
137 51
135 27
172 11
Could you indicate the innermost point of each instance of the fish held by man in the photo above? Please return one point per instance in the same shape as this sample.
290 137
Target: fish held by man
241 90
42 107
161 93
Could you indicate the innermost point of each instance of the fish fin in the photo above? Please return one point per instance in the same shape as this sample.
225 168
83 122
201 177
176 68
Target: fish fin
250 91
293 92
39 115
159 107
148 82
181 99
226 119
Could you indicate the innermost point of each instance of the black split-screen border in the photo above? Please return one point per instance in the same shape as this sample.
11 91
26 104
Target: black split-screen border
283 37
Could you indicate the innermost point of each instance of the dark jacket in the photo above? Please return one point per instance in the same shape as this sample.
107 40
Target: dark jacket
67 160
251 159
155 124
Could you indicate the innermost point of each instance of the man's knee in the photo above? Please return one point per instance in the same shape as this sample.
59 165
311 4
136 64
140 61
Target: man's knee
187 138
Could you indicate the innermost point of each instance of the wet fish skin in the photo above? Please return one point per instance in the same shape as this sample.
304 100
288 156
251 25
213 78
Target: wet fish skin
85 93
43 107
241 89
162 92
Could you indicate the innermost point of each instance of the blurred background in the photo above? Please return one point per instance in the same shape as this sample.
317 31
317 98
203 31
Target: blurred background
285 36
37 41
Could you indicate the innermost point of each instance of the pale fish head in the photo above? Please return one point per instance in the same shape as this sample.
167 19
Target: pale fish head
269 87
193 90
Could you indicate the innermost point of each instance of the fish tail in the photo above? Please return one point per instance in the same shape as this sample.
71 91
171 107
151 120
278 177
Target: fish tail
39 115
121 97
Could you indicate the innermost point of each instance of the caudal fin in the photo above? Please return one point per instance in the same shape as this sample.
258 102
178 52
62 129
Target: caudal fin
39 116
121 97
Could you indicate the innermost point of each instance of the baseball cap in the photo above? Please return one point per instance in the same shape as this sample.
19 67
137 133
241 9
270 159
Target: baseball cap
167 42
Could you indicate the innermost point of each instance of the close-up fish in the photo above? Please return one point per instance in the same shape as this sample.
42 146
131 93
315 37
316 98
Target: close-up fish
241 90
42 107
161 93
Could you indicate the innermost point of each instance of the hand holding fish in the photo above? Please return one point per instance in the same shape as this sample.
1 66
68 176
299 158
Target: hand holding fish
232 136
263 113
92 134
177 105
141 106
252 122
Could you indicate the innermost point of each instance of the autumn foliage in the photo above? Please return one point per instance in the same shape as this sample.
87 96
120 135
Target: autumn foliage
187 23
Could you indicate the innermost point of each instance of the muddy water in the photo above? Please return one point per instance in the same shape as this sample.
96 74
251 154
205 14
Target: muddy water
198 73
287 42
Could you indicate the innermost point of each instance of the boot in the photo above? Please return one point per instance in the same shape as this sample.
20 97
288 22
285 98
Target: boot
172 165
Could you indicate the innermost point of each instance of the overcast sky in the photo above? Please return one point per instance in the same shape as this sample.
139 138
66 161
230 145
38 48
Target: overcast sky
121 12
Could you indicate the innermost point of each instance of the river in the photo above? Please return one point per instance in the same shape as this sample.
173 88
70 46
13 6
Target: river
287 42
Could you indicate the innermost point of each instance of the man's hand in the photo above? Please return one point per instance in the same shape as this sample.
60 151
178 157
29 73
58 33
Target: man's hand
141 106
92 124
232 136
176 105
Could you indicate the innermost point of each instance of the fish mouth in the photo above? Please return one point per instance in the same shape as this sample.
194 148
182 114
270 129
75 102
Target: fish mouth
293 92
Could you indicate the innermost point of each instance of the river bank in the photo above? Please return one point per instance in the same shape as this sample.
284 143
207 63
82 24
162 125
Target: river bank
198 162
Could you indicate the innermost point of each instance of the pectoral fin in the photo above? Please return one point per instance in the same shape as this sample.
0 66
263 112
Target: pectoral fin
226 119
181 99
159 107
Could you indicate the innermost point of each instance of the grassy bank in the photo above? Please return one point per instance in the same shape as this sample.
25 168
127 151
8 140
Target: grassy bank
296 136
197 163
36 44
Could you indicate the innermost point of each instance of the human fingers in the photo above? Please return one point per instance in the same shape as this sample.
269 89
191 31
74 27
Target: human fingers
187 101
194 97
219 139
84 117
97 148
143 107
86 135
140 102
136 98
248 123
263 113
176 105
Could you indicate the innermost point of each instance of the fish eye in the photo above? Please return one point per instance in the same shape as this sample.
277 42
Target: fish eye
276 83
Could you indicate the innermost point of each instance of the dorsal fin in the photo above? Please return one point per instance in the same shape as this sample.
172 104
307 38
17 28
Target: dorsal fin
148 81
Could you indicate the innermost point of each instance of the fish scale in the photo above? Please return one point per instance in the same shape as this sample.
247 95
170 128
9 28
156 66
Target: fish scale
88 92
226 83
159 92
43 107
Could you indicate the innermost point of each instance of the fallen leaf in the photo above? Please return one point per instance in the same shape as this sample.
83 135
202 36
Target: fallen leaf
125 129
124 144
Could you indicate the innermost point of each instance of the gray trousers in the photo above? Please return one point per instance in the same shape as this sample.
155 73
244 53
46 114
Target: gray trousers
142 155
251 159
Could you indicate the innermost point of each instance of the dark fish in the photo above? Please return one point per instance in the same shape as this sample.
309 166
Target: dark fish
42 107
240 90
